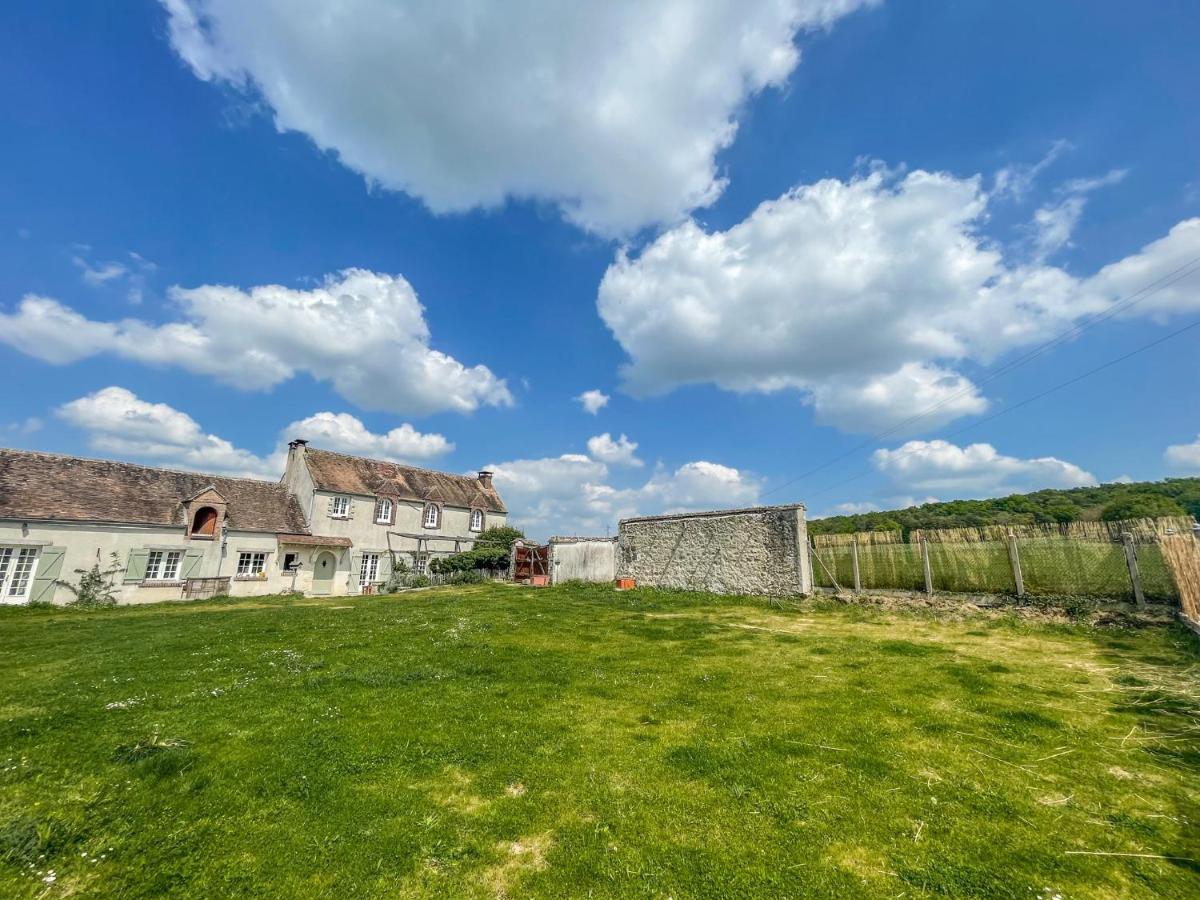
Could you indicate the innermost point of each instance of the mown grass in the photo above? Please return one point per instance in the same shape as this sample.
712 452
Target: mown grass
491 741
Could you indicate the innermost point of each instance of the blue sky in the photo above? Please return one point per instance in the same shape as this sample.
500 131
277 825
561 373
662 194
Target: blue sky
573 198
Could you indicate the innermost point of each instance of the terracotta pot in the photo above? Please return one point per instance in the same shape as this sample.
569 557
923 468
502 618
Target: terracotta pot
626 584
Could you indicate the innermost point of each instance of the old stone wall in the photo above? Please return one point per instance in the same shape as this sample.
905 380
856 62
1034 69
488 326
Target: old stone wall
763 550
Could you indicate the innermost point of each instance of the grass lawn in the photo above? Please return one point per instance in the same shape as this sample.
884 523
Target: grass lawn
492 740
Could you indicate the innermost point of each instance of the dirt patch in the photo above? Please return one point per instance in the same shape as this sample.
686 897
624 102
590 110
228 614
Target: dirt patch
517 858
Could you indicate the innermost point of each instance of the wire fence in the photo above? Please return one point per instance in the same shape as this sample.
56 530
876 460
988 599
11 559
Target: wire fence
1099 560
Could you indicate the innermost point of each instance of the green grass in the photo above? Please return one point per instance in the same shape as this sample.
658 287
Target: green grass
491 740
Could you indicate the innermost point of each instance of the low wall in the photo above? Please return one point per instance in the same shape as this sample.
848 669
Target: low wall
763 550
583 559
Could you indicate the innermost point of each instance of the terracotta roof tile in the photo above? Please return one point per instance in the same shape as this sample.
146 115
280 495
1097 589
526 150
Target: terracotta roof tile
338 473
71 488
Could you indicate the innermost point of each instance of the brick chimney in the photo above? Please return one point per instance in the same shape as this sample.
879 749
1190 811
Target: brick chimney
485 478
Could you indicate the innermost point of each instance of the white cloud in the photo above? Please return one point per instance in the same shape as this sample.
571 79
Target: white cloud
571 494
593 401
976 470
1184 456
25 427
865 295
344 432
621 452
1054 223
1017 180
363 332
120 423
133 274
613 111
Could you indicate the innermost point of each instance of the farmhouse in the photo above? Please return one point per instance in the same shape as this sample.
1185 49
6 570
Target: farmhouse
331 526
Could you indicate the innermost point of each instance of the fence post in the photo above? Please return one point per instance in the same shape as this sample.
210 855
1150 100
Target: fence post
1134 575
926 566
854 559
1014 558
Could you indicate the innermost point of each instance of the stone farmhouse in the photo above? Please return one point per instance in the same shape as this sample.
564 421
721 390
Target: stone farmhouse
333 525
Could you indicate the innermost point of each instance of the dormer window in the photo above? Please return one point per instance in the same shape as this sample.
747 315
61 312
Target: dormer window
477 520
339 507
433 515
383 511
204 523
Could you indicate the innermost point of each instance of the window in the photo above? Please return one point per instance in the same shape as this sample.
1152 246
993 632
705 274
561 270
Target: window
16 571
370 568
477 520
251 565
163 565
420 564
339 507
432 515
383 511
204 523
291 562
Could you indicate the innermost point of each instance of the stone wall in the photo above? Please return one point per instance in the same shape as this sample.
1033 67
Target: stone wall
763 550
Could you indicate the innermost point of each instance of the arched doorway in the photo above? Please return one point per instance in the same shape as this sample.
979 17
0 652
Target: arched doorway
204 523
323 568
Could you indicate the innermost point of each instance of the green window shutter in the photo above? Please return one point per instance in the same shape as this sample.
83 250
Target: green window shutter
355 573
190 568
135 569
385 566
49 567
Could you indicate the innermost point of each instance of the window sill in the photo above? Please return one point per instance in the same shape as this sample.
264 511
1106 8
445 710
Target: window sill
160 584
201 537
250 577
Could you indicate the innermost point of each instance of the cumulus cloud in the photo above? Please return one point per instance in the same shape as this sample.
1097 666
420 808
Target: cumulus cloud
572 494
120 423
613 111
363 332
621 452
593 401
133 273
1184 456
1054 223
977 470
865 295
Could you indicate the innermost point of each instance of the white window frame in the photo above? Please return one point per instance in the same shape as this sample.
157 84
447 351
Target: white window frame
340 508
18 566
368 570
163 565
477 513
383 511
251 563
421 564
434 512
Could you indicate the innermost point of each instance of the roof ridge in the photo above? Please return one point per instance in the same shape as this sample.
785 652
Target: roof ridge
130 465
388 462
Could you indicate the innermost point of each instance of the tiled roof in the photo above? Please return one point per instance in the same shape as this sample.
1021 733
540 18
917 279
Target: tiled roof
70 488
314 540
338 473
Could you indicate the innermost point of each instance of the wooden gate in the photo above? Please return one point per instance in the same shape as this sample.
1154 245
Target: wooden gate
531 565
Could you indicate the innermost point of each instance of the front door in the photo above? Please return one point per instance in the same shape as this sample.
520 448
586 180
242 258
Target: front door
323 570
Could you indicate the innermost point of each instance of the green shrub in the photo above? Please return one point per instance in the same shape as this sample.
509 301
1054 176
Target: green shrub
96 587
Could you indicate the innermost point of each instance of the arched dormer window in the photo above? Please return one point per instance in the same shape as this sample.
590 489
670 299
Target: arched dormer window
204 523
477 519
433 515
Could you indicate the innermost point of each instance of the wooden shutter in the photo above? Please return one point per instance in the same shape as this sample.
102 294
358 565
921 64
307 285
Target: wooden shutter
349 507
189 567
355 573
331 502
135 569
49 567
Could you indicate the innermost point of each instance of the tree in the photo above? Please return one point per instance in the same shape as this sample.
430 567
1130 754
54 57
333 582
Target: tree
499 535
1141 506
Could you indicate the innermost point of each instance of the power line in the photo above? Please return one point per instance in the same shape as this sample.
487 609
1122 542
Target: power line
1038 396
1192 266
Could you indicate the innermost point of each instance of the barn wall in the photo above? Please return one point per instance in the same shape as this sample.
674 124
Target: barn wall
583 559
763 550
